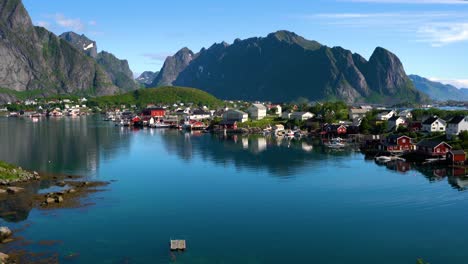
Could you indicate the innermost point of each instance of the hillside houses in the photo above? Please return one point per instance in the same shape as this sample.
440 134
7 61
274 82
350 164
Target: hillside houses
257 111
395 121
235 115
434 124
301 116
456 125
357 113
384 116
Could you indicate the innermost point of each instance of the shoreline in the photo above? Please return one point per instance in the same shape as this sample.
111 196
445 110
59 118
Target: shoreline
40 191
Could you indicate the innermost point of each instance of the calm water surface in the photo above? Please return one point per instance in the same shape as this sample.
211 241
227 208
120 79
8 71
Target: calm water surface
235 200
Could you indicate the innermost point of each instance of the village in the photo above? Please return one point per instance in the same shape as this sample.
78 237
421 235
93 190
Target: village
413 134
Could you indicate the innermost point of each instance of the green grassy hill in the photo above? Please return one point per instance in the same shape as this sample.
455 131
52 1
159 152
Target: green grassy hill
162 95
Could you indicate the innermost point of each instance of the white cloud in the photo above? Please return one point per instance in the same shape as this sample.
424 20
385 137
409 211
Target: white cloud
92 23
459 83
436 28
74 24
442 34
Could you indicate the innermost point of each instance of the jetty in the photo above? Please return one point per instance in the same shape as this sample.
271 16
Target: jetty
178 245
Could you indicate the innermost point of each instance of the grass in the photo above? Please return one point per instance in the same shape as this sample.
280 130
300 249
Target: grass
162 95
269 120
9 172
23 94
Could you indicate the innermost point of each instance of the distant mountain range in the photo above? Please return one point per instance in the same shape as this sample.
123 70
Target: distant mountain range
147 78
37 61
438 91
284 66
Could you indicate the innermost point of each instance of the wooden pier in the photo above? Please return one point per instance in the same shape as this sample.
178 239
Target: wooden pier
178 245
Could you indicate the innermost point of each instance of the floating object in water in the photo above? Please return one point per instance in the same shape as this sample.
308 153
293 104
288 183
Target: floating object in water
178 245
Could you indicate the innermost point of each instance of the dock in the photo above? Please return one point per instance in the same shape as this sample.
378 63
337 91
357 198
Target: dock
178 245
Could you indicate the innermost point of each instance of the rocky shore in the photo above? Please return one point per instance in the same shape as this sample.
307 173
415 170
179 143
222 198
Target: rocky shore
22 190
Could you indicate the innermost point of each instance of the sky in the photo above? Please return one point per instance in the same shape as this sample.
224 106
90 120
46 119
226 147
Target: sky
429 36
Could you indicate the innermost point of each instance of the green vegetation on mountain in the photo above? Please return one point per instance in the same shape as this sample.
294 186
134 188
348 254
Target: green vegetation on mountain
158 96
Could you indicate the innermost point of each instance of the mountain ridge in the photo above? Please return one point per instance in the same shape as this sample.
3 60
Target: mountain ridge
285 66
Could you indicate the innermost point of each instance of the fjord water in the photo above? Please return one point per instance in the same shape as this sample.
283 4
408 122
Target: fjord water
235 200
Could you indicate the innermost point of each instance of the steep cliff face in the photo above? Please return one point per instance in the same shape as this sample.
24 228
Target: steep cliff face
33 58
118 70
173 66
81 42
284 66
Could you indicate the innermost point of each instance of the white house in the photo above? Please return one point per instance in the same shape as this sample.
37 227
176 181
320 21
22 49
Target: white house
257 111
278 109
235 115
406 114
302 116
457 125
395 121
355 113
386 115
199 114
434 124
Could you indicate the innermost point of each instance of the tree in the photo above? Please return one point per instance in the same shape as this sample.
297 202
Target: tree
365 126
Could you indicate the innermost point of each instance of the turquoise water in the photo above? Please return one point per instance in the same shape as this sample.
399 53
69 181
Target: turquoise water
235 199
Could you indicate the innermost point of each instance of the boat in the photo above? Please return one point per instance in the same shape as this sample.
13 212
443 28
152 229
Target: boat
335 143
383 159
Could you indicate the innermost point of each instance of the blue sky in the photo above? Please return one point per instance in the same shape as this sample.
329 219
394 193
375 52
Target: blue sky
429 36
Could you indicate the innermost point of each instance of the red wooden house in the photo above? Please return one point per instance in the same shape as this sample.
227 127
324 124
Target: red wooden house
154 112
433 148
335 129
456 156
226 124
395 143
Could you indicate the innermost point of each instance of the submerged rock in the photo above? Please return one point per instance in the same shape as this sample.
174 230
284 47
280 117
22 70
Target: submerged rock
5 234
14 190
3 257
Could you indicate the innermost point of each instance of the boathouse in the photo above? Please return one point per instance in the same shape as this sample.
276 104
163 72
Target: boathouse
396 143
433 148
456 156
228 124
154 112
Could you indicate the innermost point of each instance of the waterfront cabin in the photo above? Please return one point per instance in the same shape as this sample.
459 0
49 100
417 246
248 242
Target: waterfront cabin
235 115
434 124
456 156
278 128
396 143
456 125
200 114
395 121
154 112
433 148
335 129
226 124
301 116
257 111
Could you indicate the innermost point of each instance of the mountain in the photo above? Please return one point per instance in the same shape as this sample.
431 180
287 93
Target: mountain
118 70
284 66
33 58
439 91
147 78
173 66
81 42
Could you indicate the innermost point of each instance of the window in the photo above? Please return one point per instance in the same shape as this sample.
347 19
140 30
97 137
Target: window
403 140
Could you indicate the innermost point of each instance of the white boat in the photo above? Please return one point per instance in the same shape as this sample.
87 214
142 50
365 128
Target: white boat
335 143
383 159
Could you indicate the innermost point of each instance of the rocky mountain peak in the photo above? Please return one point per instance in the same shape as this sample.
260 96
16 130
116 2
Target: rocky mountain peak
173 66
81 42
14 16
